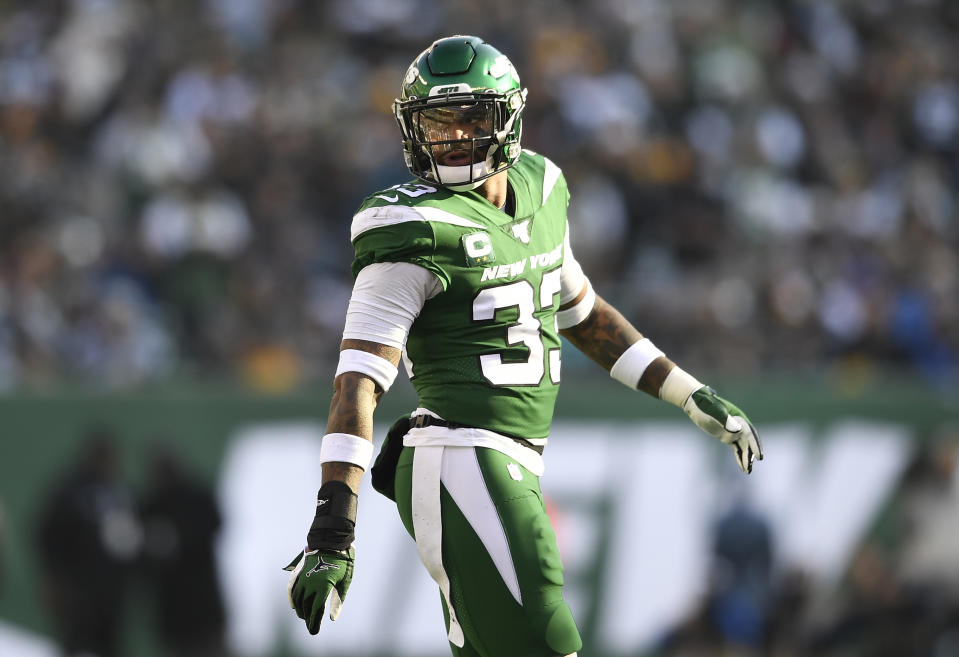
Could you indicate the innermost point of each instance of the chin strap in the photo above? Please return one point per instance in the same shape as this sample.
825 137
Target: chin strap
458 178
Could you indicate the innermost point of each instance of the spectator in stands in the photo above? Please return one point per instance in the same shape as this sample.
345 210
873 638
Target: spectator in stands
169 206
181 519
87 538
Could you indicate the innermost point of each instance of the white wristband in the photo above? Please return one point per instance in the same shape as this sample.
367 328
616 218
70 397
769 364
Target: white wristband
382 371
346 448
629 367
678 386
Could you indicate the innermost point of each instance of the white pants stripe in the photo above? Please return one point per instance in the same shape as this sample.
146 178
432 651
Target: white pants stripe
463 479
428 526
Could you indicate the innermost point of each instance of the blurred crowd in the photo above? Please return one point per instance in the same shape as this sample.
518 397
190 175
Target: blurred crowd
759 186
898 596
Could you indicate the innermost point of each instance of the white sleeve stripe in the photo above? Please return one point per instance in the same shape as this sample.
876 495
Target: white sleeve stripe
572 278
376 367
576 314
390 215
629 367
442 216
550 176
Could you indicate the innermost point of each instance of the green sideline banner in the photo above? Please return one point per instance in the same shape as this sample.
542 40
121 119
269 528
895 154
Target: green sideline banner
633 488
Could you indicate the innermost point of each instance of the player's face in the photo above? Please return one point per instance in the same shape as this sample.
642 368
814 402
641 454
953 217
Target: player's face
453 125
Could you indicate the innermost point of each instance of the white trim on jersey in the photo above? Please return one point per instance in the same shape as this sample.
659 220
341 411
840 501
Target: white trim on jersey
575 314
390 215
407 363
387 297
572 279
550 176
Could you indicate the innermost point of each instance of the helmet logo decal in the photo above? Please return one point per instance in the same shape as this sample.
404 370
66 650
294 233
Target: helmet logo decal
458 88
411 74
501 66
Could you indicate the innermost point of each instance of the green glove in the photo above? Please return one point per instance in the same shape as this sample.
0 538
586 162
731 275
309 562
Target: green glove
325 568
722 419
315 576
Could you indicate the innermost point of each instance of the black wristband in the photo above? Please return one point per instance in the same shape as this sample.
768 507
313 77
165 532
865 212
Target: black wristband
335 519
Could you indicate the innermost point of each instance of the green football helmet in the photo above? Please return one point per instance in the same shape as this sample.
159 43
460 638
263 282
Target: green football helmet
460 113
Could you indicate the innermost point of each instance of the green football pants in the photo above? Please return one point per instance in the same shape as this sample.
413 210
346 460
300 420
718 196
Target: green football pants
482 532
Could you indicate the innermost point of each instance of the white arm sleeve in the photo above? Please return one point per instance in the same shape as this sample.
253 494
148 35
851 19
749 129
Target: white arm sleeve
387 297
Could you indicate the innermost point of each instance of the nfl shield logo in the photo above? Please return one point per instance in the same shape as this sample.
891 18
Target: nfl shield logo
521 231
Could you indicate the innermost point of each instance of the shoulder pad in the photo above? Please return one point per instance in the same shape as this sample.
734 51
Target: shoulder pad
409 193
378 216
543 174
550 176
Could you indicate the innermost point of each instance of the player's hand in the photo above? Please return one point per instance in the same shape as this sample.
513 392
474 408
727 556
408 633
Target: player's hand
721 419
315 576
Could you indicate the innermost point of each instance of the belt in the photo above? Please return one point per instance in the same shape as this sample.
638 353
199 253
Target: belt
421 421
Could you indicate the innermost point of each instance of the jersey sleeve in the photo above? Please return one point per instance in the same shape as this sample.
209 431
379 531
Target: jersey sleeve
394 234
572 278
386 299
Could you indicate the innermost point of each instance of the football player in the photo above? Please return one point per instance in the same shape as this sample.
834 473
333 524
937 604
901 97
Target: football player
467 275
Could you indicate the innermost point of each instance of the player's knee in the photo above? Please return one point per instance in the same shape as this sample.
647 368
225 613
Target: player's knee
558 629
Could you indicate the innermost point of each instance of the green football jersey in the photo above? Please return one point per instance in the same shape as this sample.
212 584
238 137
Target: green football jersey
484 352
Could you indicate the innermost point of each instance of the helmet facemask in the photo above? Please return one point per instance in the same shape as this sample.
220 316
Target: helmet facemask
460 139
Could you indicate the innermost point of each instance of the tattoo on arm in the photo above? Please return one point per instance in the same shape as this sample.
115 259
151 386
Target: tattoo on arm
605 334
351 409
355 396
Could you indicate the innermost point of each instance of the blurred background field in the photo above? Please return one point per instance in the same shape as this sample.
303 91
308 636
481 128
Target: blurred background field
767 189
